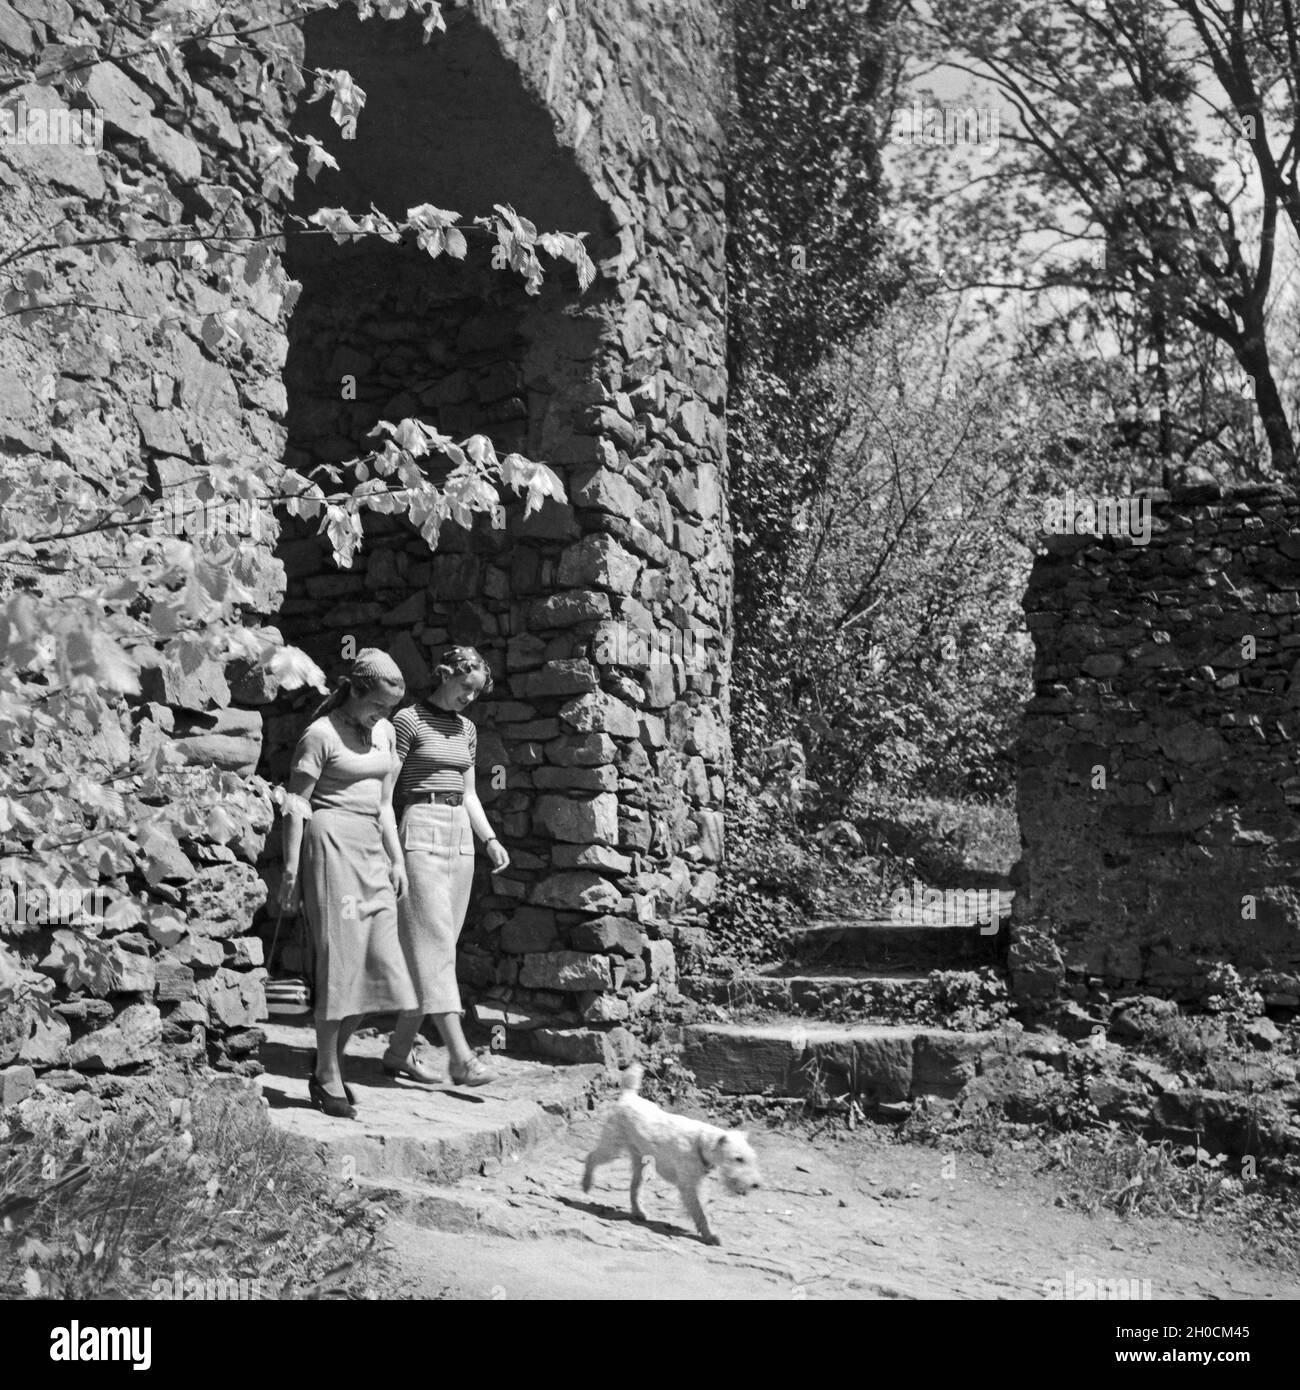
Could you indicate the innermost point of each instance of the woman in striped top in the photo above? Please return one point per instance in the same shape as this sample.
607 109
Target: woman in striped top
440 815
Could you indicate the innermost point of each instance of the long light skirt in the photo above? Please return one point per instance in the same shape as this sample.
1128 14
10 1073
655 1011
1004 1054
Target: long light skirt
352 912
439 847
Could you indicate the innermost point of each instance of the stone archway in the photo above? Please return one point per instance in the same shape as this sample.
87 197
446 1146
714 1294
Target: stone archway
606 620
384 332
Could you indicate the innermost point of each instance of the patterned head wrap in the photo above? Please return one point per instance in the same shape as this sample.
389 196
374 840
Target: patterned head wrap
371 664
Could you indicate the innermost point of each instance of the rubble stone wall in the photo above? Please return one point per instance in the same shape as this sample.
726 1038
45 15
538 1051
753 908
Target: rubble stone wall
136 405
1159 780
602 749
606 620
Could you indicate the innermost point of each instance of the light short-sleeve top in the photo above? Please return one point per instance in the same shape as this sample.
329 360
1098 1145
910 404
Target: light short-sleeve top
436 746
346 780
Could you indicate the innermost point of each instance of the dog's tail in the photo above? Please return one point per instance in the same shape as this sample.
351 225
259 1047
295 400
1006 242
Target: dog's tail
631 1081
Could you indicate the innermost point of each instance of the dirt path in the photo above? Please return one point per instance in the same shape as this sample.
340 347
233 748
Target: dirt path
858 1218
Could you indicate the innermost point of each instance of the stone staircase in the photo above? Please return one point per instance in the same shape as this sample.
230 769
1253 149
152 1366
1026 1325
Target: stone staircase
833 1021
415 1140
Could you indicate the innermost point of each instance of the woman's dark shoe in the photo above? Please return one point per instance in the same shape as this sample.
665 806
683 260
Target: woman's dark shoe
335 1106
347 1090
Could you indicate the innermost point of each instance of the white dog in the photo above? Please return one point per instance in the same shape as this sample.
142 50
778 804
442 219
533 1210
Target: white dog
684 1151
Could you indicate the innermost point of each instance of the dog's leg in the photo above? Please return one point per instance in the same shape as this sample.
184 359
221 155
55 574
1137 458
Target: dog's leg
639 1164
691 1200
608 1148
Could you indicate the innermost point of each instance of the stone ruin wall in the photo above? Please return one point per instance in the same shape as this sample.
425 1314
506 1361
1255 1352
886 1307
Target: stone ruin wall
1159 765
136 409
602 749
612 805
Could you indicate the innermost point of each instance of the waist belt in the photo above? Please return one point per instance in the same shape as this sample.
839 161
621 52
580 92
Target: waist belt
439 798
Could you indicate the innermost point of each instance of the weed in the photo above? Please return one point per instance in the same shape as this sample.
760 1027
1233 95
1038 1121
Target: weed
117 1207
1121 1170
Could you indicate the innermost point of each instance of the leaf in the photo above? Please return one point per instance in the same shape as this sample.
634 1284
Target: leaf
220 827
291 669
31 1283
346 98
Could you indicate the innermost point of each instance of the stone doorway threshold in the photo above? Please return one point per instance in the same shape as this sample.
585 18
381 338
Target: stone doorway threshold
406 1131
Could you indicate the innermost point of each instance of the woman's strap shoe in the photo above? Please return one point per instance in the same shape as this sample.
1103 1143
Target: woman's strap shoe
411 1066
347 1090
335 1106
472 1073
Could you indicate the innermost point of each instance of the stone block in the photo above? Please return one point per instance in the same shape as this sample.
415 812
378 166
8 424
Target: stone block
43 1041
601 713
598 562
601 489
569 608
244 952
614 1048
942 1063
229 739
15 33
564 970
573 677
129 108
197 951
590 857
602 1008
64 166
233 999
202 688
594 821
173 981
16 1083
576 890
222 899
744 1062
134 1036
586 779
609 934
585 750
661 963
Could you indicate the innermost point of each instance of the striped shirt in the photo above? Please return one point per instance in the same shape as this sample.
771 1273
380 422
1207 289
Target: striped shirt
436 747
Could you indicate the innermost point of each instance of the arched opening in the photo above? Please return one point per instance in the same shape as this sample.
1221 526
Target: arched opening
384 332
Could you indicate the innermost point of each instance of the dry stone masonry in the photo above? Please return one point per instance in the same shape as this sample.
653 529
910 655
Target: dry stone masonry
135 406
603 749
1159 765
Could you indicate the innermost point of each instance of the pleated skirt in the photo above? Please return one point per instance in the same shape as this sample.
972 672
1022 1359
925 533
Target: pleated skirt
351 911
439 846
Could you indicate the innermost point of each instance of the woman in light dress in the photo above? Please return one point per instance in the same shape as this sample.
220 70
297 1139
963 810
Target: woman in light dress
343 858
440 816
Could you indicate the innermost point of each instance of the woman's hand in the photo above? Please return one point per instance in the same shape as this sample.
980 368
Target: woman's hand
289 898
496 852
397 877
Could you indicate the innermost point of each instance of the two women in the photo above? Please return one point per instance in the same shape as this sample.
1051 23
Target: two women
381 946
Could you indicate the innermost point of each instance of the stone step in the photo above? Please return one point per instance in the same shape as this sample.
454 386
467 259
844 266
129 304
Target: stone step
888 944
788 989
406 1131
443 1208
879 1063
462 1209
